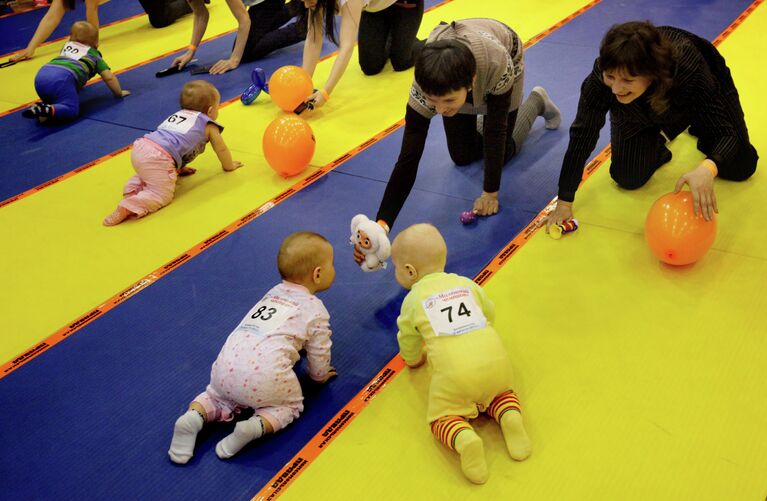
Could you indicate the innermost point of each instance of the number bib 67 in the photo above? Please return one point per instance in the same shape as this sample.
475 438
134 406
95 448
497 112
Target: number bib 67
269 314
180 122
454 312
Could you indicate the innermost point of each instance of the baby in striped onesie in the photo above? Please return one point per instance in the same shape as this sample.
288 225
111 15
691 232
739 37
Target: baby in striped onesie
450 318
255 367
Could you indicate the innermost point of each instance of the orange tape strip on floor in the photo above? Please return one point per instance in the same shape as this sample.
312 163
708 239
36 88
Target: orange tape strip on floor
319 442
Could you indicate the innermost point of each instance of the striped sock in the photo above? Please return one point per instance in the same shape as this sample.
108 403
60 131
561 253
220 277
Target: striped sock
458 435
514 434
445 429
503 402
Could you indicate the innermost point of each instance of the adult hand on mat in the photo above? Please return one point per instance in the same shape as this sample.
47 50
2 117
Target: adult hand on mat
562 212
223 66
21 56
486 204
183 59
317 99
701 183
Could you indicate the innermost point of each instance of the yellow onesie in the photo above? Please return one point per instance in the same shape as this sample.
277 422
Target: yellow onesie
453 317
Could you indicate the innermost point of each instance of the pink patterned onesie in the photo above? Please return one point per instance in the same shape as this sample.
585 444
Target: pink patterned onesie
255 367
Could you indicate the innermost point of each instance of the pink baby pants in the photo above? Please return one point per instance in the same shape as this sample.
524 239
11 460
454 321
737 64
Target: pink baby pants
153 186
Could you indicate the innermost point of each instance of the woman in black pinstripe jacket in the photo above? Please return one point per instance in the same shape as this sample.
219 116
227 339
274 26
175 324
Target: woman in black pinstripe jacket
656 82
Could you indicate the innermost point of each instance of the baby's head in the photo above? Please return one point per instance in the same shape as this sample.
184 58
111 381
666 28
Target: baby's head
416 252
306 258
202 96
84 33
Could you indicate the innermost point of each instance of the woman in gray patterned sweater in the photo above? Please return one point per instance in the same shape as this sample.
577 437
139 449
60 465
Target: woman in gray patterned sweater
466 70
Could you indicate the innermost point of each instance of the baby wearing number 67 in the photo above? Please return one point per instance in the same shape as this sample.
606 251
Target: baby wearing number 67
450 318
161 156
254 369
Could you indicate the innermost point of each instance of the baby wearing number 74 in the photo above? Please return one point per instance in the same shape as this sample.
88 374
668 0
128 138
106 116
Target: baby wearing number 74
450 318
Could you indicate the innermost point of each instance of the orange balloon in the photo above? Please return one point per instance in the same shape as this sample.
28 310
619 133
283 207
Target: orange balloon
675 235
288 145
289 86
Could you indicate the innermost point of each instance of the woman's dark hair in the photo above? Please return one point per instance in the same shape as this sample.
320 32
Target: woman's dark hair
315 17
640 49
445 66
69 4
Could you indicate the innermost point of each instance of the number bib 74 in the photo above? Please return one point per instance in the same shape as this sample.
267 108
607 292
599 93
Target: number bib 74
181 121
269 314
454 312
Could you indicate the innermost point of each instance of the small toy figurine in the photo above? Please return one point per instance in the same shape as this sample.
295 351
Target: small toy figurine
371 239
259 84
468 217
557 230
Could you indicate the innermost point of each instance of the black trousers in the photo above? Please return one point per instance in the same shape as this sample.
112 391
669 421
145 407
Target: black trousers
636 157
163 12
389 34
466 145
266 34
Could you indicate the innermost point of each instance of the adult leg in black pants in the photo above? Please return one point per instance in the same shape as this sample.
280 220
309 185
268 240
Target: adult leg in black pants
163 12
266 34
389 34
636 156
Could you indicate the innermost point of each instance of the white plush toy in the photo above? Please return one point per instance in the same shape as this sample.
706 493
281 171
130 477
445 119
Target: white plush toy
370 238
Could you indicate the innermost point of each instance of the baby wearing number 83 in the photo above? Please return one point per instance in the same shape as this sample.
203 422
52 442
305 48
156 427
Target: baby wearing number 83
255 367
450 318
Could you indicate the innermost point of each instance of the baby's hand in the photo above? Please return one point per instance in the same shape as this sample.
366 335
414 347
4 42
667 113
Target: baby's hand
125 93
418 362
186 171
330 375
235 165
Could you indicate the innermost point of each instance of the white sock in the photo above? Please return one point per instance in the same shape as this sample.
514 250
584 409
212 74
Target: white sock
244 433
551 114
184 436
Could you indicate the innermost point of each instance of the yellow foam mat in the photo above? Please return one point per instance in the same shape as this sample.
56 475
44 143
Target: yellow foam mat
123 44
638 381
61 260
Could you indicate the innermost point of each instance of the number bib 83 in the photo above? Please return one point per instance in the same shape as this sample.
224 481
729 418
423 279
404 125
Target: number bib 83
454 312
269 314
181 121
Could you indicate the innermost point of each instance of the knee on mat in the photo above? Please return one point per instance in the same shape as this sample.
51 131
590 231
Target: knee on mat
371 68
746 171
462 160
401 63
627 183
